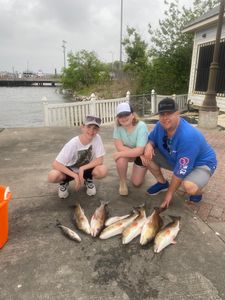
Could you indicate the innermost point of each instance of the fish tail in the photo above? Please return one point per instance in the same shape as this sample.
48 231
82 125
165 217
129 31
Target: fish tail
160 209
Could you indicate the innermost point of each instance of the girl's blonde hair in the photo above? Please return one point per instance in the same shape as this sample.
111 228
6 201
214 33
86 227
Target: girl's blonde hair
135 120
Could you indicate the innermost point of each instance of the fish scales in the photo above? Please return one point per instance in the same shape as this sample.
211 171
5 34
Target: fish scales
151 227
167 235
118 227
134 229
69 233
98 219
81 220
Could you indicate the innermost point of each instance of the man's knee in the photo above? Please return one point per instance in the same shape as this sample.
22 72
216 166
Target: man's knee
190 187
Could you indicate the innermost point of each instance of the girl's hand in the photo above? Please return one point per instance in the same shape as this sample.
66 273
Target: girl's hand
116 155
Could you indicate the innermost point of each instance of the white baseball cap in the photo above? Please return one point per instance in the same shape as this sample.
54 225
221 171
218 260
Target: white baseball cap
123 109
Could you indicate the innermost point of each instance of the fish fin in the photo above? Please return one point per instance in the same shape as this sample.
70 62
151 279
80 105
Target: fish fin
104 202
173 242
174 218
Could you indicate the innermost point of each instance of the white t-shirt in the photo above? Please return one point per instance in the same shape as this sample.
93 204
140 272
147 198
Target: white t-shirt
74 154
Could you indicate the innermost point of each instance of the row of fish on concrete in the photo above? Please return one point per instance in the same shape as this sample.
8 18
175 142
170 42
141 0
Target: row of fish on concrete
129 226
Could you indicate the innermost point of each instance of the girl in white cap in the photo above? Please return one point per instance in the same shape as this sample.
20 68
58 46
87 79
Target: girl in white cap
130 137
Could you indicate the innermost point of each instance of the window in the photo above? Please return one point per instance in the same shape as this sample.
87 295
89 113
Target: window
205 59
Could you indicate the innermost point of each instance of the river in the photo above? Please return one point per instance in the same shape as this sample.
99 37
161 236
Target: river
22 106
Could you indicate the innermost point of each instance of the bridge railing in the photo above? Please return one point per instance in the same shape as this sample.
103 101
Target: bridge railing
73 114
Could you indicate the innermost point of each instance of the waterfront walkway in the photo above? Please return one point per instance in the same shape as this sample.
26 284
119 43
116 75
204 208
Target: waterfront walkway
38 262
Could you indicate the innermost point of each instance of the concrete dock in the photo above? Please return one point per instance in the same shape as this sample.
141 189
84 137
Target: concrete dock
38 262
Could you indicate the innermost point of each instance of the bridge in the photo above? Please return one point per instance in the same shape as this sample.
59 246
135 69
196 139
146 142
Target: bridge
38 81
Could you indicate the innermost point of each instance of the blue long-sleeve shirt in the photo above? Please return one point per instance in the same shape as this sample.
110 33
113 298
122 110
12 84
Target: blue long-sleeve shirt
187 148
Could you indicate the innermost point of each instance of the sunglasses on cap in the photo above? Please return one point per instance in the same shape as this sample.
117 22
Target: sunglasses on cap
90 119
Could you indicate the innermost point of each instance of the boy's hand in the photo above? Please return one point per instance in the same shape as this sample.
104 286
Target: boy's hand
81 176
77 182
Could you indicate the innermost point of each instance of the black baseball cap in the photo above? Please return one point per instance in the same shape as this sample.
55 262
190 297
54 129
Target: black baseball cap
167 105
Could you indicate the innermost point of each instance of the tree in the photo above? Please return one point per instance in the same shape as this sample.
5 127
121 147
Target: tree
171 49
137 63
84 69
136 50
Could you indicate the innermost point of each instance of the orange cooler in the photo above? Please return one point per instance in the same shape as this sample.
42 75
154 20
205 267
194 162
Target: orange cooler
5 196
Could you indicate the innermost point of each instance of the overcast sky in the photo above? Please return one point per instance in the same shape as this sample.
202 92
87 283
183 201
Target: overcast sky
32 31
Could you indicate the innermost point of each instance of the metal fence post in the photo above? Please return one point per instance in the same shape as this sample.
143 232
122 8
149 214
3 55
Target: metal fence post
92 105
128 96
153 102
45 106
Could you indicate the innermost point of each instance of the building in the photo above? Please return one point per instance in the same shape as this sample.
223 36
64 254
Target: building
204 29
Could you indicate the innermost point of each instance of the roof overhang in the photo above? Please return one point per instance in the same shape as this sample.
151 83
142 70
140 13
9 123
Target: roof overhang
210 22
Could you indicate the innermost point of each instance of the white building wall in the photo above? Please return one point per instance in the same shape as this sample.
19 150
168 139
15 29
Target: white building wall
201 37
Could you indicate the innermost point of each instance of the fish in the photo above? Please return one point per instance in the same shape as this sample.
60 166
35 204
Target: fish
115 219
98 219
134 229
81 220
151 226
167 235
118 227
69 233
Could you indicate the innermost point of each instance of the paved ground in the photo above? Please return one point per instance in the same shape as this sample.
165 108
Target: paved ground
38 262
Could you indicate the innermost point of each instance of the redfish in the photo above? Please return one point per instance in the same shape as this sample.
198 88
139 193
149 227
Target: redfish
134 229
118 227
167 235
151 227
98 219
81 220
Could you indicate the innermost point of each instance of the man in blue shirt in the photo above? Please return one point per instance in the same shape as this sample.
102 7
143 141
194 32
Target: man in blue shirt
176 145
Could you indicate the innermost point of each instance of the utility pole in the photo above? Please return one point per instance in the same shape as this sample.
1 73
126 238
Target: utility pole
121 33
64 52
208 113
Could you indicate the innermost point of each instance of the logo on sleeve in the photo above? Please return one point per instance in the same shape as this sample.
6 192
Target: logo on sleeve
183 161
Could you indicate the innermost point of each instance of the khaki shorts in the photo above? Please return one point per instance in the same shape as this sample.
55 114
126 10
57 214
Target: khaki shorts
200 175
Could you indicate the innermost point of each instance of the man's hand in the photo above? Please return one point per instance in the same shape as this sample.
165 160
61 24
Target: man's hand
168 198
149 152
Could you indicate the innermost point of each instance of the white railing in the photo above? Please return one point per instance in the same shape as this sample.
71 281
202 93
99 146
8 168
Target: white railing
181 100
73 114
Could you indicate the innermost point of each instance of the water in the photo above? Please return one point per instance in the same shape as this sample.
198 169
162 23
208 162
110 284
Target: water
22 106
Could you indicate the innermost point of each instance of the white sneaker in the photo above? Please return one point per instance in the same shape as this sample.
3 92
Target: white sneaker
63 190
91 189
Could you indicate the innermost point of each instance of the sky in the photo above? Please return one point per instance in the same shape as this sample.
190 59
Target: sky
32 31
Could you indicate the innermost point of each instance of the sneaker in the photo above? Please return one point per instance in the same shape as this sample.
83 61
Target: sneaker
63 190
157 188
123 190
91 189
195 198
